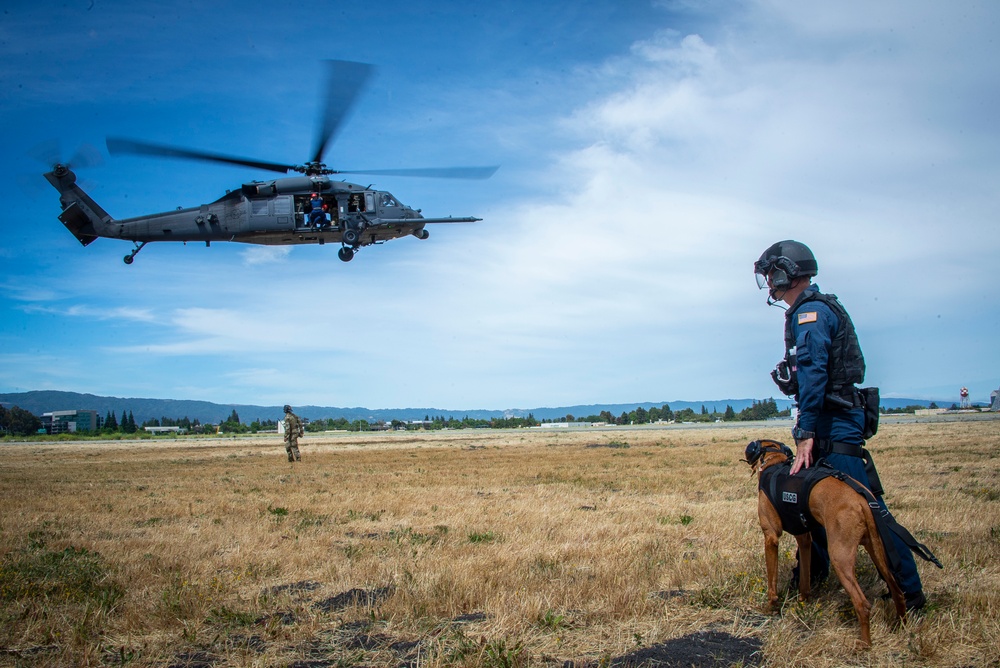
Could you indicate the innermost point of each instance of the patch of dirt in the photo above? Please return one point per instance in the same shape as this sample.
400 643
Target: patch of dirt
285 618
470 618
194 659
293 588
704 649
365 597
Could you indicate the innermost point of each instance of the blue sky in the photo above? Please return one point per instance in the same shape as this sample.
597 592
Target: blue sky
649 152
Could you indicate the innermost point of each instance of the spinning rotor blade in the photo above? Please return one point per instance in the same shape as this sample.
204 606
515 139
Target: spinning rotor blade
118 145
344 83
430 172
49 153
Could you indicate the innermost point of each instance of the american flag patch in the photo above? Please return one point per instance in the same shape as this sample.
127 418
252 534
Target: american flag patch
805 318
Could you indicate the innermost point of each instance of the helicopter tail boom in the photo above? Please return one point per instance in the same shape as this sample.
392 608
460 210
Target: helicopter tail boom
81 215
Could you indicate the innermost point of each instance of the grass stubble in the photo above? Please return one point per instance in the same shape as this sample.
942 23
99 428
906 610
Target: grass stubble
468 548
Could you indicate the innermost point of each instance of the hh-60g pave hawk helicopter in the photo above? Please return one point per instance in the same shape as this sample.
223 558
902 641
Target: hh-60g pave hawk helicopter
276 212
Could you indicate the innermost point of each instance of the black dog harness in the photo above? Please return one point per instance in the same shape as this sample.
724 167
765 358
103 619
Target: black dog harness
790 494
790 497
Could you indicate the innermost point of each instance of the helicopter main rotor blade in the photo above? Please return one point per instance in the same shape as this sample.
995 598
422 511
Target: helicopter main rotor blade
119 145
430 172
345 81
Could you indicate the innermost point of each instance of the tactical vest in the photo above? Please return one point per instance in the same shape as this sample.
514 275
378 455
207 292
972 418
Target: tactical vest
790 494
846 365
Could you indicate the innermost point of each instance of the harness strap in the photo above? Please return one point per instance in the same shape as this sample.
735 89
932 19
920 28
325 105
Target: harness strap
873 480
812 476
885 523
827 446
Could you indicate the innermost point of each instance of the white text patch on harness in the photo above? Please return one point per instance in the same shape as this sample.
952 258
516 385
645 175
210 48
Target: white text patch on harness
789 497
808 317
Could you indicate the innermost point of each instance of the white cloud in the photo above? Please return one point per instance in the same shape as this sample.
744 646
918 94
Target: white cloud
93 312
256 255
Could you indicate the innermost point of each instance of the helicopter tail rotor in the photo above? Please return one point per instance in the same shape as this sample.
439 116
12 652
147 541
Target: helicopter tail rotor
49 153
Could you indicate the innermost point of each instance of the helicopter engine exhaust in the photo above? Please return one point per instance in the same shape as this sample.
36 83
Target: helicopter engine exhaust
295 184
421 233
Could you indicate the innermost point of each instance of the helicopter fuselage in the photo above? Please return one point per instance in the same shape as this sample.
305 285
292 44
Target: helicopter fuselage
277 213
273 213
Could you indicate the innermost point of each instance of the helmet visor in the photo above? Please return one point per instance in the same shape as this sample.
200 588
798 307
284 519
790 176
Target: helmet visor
761 280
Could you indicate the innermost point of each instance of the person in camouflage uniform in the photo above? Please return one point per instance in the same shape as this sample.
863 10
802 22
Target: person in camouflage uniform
293 430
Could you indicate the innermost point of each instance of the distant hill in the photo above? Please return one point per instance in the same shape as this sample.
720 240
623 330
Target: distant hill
44 401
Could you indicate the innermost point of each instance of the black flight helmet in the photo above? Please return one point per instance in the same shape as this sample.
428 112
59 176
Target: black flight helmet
752 453
288 409
787 260
755 450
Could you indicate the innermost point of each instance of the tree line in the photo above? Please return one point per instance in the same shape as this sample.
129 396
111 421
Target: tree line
19 422
761 410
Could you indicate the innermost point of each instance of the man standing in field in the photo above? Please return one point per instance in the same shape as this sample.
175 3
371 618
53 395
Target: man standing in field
823 364
293 430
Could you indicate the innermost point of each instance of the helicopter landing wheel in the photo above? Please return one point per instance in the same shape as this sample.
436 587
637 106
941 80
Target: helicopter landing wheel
345 254
351 237
130 258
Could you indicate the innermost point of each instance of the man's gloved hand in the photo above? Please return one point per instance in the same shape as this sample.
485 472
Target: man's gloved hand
784 378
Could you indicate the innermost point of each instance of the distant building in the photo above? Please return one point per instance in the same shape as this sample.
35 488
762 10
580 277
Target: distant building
70 422
165 430
566 425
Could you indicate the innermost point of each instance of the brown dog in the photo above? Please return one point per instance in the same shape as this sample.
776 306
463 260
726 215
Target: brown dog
848 522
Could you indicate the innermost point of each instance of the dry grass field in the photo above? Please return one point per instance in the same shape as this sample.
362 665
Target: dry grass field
468 548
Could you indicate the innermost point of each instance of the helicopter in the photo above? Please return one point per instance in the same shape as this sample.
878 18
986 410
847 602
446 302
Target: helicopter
312 208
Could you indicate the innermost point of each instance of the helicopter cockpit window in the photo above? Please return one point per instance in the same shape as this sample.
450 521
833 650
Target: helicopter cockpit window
387 200
258 207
